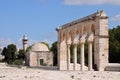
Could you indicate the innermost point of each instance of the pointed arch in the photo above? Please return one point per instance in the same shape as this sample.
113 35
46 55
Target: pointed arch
69 34
84 30
63 36
92 28
76 32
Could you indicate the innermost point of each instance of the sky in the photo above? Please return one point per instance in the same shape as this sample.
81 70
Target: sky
38 19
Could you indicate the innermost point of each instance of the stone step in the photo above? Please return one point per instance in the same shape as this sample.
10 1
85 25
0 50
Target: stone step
113 67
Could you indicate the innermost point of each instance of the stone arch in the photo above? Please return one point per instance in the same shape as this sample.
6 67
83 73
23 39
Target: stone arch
69 34
92 28
63 37
76 32
84 30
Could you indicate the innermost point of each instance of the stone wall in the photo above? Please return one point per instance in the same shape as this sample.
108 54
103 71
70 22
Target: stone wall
34 58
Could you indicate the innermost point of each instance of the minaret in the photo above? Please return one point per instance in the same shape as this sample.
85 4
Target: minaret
25 42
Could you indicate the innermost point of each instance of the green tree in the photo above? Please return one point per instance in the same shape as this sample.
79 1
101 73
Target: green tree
114 45
28 48
54 50
20 58
9 53
21 54
4 51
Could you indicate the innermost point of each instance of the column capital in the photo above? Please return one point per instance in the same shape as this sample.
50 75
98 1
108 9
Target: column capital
90 38
82 39
74 44
75 41
68 42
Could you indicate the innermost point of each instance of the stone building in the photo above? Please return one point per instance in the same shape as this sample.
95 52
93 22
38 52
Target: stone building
38 55
92 29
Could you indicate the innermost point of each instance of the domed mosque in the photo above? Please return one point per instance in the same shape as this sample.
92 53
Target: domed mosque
38 54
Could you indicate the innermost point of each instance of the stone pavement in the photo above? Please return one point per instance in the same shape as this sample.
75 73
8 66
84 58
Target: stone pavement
14 73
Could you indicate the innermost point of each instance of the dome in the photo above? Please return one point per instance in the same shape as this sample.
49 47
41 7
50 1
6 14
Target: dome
39 47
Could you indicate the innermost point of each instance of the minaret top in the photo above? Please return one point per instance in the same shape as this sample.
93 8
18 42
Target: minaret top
25 37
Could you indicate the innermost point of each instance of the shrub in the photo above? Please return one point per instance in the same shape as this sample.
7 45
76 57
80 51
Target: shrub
18 62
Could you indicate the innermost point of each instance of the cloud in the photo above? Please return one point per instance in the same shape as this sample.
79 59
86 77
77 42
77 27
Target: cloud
91 2
20 45
49 37
48 41
31 41
116 18
4 42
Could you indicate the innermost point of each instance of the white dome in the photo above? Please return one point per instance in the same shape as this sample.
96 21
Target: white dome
39 47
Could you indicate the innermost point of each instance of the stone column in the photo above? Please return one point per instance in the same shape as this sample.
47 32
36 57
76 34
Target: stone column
90 40
89 56
82 42
68 56
82 56
75 56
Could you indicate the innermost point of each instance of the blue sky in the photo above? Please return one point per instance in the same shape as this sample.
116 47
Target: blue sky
39 18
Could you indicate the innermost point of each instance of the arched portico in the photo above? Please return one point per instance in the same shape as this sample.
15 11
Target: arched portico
90 29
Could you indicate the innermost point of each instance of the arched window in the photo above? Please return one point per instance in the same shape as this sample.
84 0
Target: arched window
69 34
93 29
76 31
63 36
83 30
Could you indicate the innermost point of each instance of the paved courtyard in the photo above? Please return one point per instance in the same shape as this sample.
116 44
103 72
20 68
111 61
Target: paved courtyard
14 73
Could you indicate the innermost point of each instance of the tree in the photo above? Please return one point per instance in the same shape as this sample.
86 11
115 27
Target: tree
4 51
54 50
114 45
28 48
9 53
20 58
21 54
